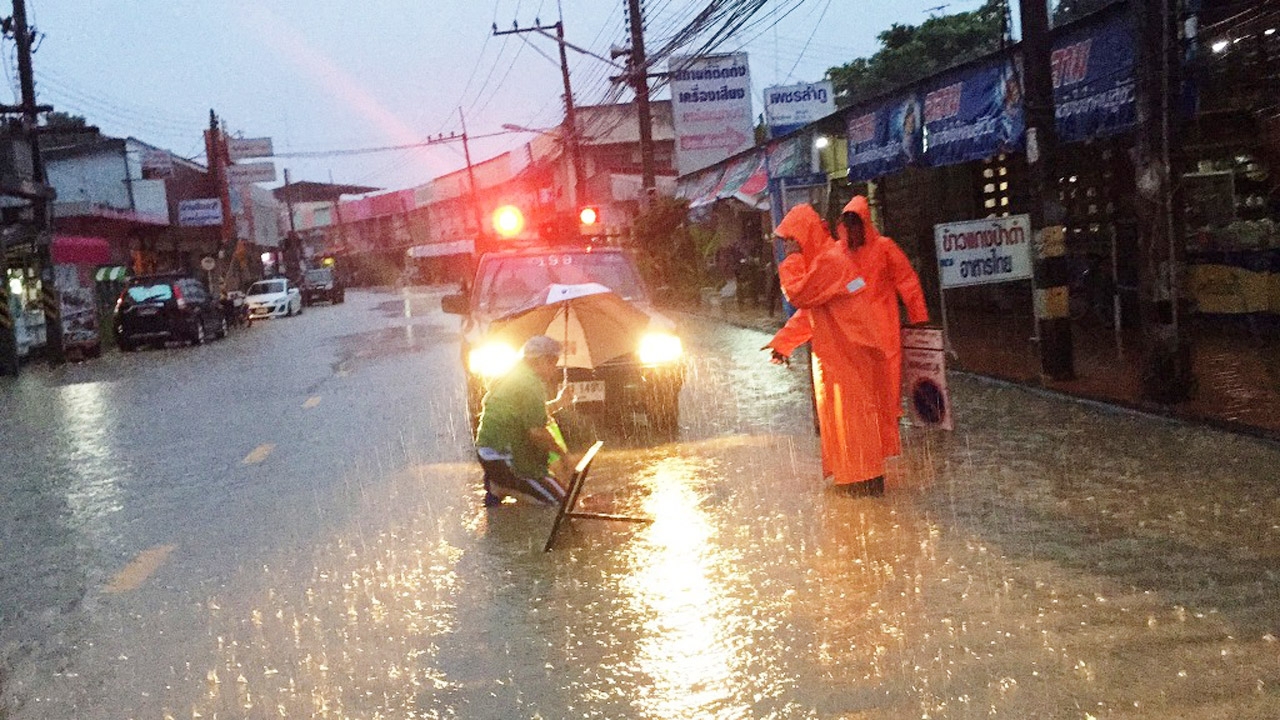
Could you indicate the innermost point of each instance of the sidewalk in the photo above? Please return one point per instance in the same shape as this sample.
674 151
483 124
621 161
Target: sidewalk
1239 384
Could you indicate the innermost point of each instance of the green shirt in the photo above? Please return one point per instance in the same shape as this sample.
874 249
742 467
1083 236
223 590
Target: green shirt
516 404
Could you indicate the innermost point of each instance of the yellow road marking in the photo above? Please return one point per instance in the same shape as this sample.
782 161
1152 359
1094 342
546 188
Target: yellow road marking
136 572
311 402
259 454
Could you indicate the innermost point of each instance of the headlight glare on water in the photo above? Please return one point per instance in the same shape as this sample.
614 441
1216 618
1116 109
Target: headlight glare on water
660 348
492 360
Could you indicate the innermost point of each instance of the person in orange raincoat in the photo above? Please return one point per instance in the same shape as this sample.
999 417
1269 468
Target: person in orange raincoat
846 292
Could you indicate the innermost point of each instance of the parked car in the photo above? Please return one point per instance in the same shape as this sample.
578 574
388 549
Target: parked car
646 379
157 309
276 297
321 284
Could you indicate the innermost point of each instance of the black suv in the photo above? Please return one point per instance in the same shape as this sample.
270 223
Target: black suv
634 381
160 308
321 284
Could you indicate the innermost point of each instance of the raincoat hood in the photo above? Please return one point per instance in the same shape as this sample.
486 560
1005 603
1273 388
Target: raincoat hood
860 207
805 226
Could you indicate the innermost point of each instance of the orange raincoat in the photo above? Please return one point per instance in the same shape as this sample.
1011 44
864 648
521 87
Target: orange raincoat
848 308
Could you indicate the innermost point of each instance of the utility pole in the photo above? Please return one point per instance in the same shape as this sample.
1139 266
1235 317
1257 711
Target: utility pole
215 149
50 298
1053 317
570 113
639 72
291 243
1167 375
471 181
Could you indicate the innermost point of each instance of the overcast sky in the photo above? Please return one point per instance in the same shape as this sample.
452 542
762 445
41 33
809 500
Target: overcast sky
319 75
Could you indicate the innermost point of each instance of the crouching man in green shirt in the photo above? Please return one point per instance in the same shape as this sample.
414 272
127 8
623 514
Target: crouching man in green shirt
514 442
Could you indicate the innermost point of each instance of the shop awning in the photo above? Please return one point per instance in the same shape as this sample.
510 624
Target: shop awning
111 273
745 180
700 188
80 250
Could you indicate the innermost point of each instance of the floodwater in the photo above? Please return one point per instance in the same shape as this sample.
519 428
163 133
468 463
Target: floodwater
1048 559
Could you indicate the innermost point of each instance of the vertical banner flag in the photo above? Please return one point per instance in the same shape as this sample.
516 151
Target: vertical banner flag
1093 80
924 373
710 108
973 113
885 139
788 108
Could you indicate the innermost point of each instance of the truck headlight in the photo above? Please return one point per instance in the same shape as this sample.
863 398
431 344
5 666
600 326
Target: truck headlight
492 360
660 348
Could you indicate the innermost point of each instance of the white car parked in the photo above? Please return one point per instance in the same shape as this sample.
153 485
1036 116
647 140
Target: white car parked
272 298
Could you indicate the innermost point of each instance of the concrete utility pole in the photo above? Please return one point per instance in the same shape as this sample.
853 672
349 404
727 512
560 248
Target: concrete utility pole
215 150
570 112
639 72
50 299
1053 317
1167 375
471 181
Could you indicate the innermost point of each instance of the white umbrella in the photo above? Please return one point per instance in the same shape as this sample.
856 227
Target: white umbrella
593 323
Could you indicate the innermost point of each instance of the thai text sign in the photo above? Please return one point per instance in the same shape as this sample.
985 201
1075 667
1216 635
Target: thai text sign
884 139
245 148
1093 80
972 114
790 107
201 212
980 252
711 109
246 173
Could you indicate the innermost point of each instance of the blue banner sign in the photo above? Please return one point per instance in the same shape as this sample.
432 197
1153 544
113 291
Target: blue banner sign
885 139
973 113
1093 80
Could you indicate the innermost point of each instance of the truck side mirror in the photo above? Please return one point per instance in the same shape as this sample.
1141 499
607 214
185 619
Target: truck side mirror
455 304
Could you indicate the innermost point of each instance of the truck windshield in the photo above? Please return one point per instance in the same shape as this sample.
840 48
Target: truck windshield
322 275
506 283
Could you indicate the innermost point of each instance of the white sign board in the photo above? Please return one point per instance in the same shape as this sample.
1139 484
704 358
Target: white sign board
251 173
243 148
157 163
208 264
980 252
790 107
200 213
924 374
711 109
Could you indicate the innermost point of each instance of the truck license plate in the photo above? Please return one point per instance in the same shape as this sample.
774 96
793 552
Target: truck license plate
588 391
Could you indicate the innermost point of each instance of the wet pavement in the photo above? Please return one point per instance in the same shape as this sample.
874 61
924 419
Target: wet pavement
287 524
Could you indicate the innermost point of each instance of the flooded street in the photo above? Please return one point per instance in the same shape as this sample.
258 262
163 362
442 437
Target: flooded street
288 523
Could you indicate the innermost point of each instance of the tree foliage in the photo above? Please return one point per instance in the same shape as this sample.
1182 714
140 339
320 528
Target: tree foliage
670 249
1068 10
65 121
910 52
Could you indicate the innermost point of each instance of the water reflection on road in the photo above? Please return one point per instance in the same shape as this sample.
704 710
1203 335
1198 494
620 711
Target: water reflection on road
1047 560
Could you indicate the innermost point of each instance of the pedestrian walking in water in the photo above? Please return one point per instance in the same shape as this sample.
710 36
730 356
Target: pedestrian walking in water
846 290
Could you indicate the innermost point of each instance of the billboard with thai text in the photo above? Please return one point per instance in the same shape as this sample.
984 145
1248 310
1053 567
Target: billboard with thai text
711 109
1093 80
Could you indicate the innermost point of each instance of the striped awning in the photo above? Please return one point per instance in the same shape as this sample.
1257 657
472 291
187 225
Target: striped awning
111 273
